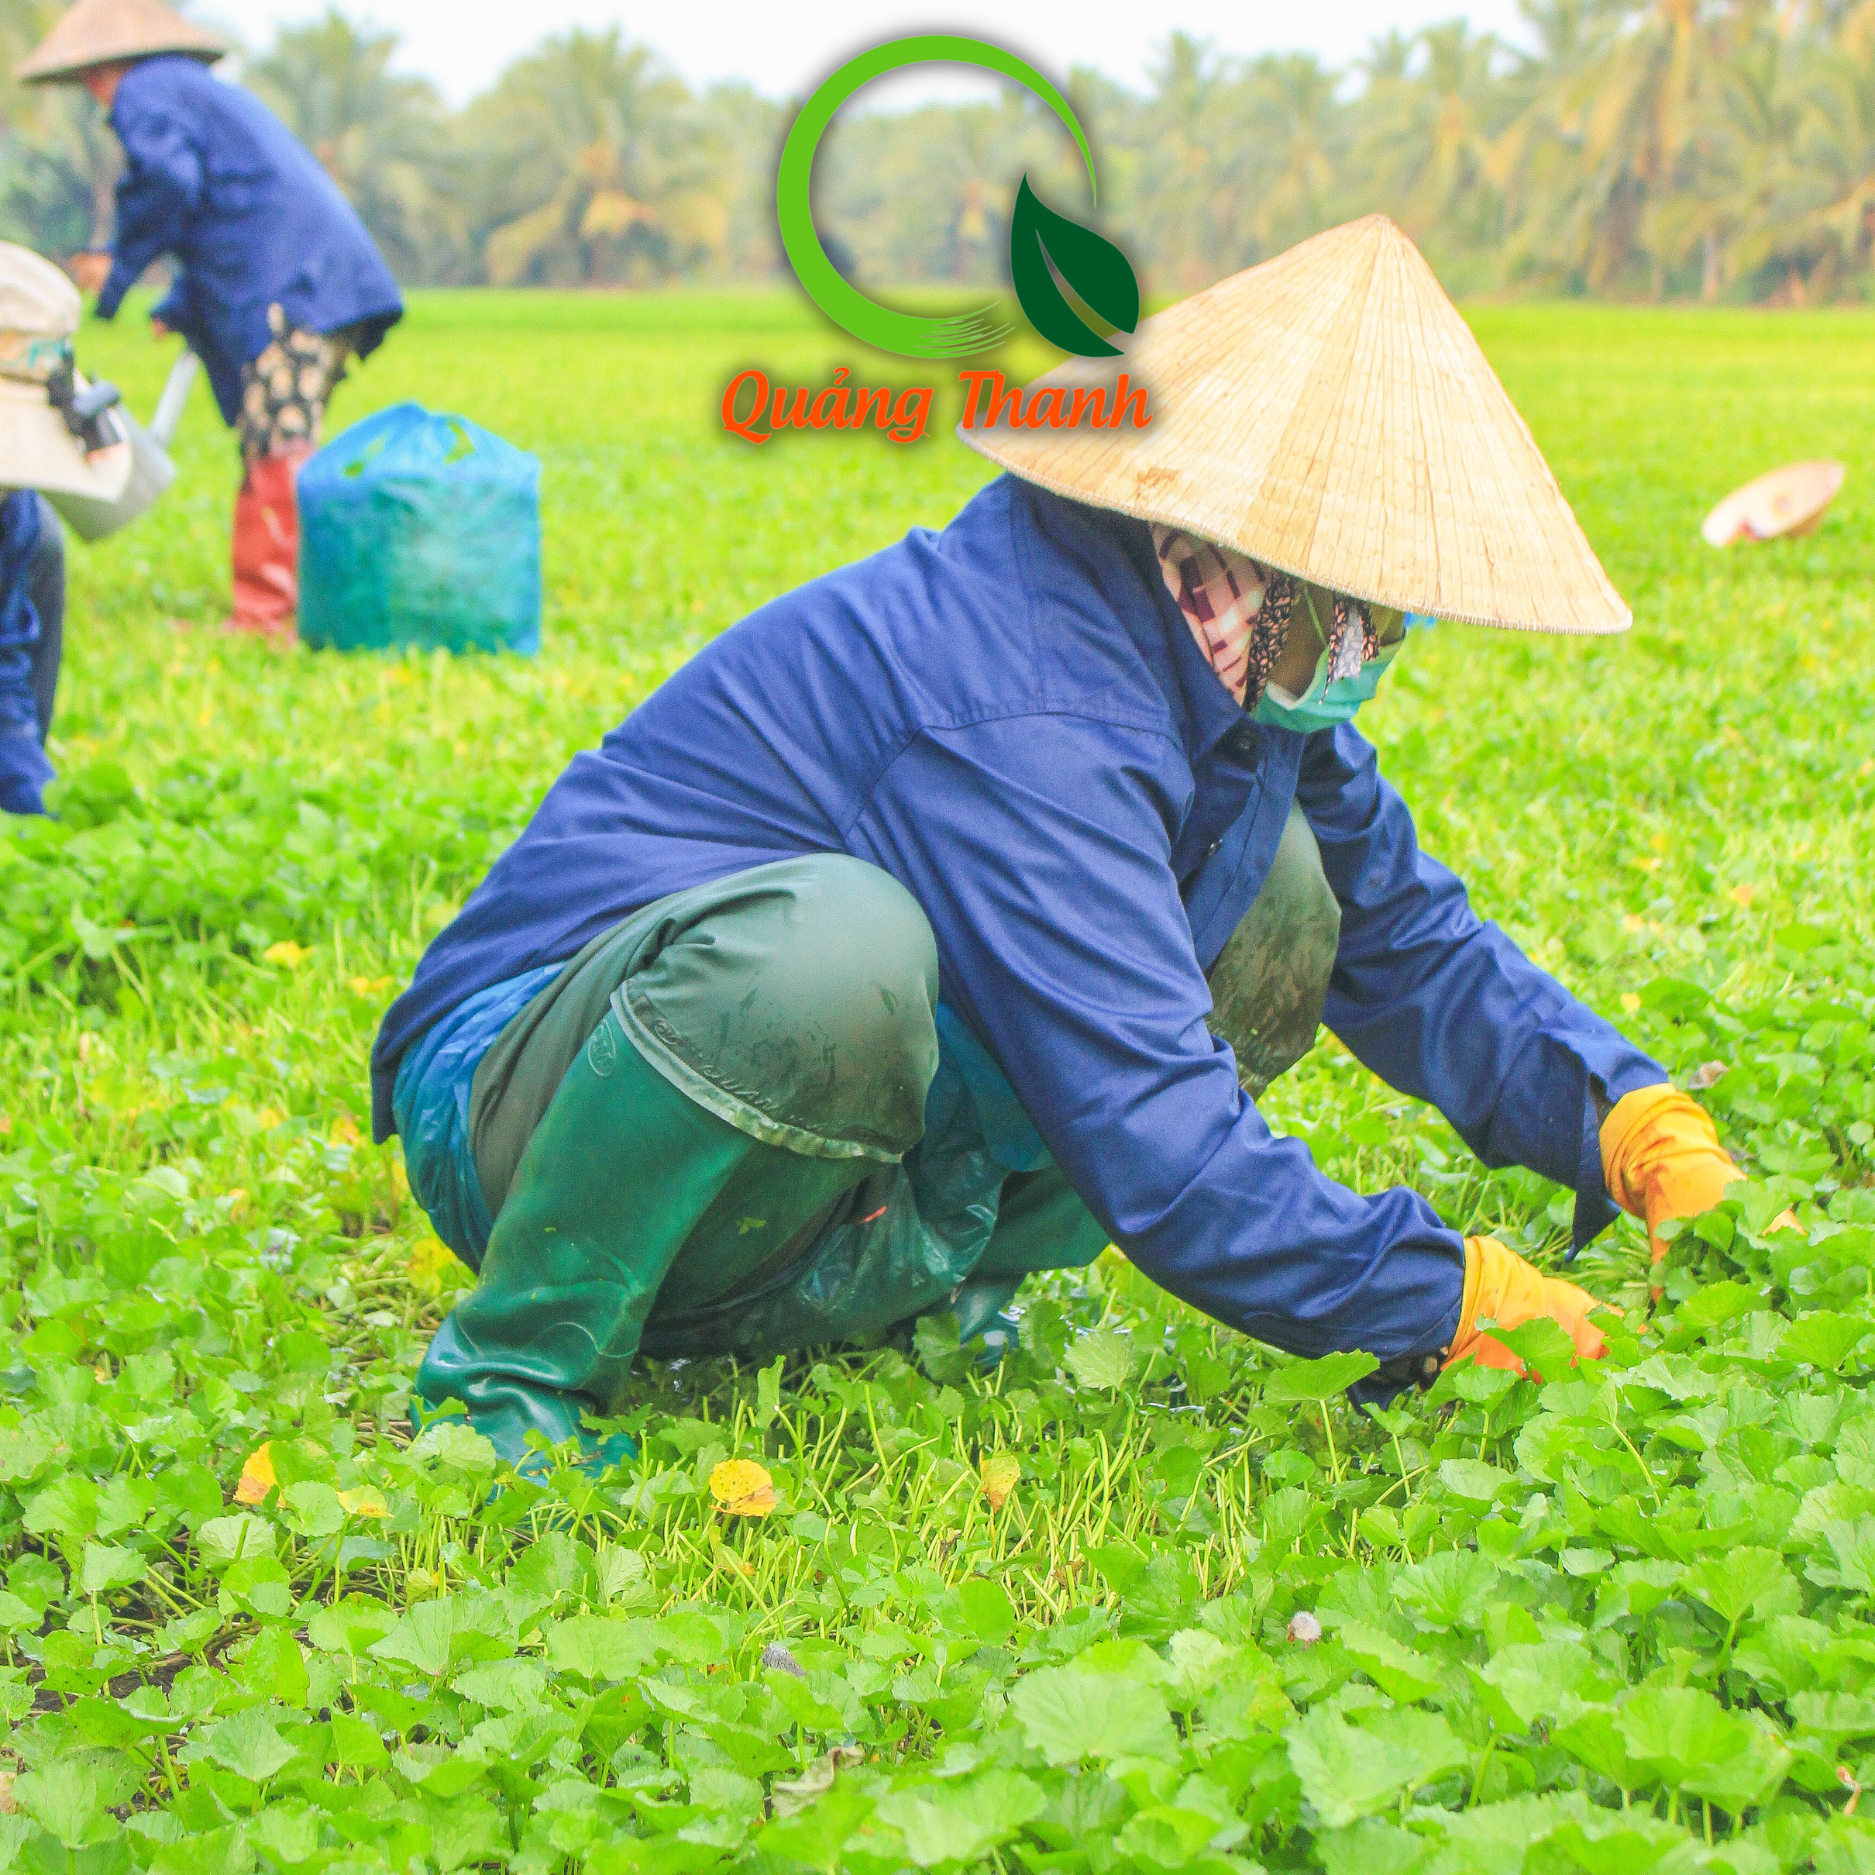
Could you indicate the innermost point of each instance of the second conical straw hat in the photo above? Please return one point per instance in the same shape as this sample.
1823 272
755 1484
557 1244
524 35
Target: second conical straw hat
97 32
1330 414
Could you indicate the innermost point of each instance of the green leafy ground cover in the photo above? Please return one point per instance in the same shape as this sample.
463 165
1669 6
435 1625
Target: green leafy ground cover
1053 1617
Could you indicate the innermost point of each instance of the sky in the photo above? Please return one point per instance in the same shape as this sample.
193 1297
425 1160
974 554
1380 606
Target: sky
784 50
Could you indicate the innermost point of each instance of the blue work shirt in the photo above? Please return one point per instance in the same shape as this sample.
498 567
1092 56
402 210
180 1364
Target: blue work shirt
1013 719
214 178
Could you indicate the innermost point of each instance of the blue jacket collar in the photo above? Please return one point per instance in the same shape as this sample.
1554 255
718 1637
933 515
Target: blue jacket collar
1203 709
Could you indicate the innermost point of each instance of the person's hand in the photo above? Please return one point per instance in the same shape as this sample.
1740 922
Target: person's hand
158 330
1662 1159
1501 1287
90 269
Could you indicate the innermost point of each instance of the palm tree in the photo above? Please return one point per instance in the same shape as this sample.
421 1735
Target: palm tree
1835 153
1639 104
1295 146
58 160
1536 158
1731 214
1428 130
384 139
1182 148
597 167
746 128
925 194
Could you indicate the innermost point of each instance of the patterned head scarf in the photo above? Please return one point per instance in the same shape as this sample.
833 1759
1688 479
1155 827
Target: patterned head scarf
1238 610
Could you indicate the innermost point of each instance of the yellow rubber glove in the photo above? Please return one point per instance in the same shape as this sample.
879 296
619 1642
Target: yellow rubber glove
1501 1287
1662 1158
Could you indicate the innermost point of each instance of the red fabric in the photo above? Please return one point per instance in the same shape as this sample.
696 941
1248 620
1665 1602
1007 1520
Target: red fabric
266 546
1238 610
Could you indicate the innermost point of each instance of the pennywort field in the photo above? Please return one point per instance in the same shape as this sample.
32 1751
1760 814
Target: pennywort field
1144 1598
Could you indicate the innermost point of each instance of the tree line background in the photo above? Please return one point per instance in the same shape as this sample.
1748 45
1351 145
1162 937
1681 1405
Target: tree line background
1718 149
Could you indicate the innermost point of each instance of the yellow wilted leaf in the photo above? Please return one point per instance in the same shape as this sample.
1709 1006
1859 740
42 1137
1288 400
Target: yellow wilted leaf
286 953
369 986
1630 1002
237 1204
344 1131
366 1501
257 1477
999 1470
431 1264
269 1117
743 1488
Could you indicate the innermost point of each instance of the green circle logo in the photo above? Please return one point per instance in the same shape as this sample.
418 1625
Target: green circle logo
1098 273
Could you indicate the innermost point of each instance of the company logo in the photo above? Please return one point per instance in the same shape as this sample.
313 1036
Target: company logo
1045 250
1098 273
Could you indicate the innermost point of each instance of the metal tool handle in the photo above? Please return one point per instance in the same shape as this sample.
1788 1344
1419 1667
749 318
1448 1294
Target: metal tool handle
176 388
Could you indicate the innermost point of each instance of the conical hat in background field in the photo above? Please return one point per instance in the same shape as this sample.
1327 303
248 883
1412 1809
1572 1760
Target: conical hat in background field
1330 414
95 32
1790 500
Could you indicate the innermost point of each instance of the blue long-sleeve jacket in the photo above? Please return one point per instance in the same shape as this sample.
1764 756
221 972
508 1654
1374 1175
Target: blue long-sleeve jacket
214 178
24 769
19 622
1012 719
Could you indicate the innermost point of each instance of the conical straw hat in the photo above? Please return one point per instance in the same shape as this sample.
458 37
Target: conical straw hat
1330 414
1790 500
95 32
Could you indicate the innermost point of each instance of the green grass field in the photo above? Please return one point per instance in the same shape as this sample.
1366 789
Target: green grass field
1039 1619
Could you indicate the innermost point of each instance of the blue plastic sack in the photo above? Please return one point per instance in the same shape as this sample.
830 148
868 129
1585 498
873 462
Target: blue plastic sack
420 529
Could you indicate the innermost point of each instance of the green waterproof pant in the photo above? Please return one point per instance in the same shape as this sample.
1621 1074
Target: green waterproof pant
726 1128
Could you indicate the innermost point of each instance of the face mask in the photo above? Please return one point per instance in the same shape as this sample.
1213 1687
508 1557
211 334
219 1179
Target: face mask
1326 702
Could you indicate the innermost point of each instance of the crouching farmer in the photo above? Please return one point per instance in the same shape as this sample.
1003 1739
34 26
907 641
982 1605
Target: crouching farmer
942 921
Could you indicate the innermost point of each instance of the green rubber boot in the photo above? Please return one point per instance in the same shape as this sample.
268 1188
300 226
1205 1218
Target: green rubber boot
1041 1224
622 1174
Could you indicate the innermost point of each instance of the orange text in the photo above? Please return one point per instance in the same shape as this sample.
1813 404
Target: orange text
840 406
1050 409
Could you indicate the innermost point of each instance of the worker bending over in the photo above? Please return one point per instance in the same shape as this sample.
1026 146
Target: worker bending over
942 921
279 284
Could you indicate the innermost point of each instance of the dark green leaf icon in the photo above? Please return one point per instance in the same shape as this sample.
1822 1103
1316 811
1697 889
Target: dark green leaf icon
1091 265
